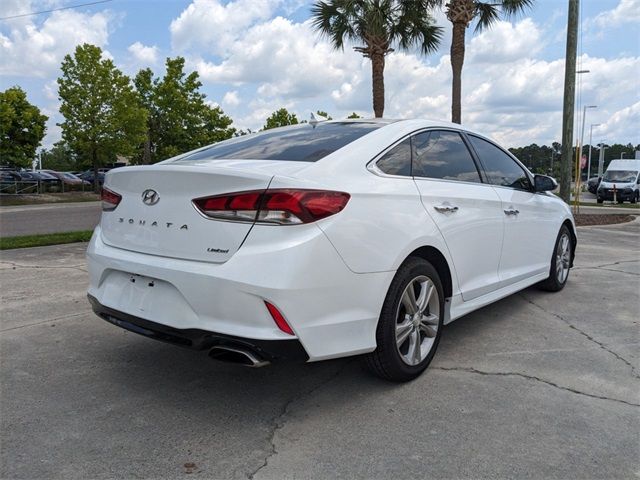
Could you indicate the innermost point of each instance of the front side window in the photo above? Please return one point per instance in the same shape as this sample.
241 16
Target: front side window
443 154
397 161
501 169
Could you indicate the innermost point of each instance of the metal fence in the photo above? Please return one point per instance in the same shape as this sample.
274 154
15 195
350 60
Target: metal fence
33 187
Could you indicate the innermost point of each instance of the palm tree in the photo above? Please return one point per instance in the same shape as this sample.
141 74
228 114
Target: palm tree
461 13
377 25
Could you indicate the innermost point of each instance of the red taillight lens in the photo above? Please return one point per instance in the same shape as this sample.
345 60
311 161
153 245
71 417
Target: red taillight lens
110 200
277 206
279 318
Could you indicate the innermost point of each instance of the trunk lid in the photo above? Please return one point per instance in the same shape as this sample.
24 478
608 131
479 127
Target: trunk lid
170 226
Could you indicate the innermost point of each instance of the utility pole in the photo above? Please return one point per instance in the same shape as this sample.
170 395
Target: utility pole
569 101
601 159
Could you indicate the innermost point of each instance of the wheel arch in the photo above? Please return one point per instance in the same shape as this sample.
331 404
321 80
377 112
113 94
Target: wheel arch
439 262
574 238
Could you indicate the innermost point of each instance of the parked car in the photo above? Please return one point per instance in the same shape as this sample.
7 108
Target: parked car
66 177
325 240
623 178
593 184
88 176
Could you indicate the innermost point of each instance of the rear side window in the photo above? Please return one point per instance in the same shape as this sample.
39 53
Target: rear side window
500 167
397 161
443 154
303 143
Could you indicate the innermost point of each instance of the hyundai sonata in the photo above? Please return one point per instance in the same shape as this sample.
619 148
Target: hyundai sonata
325 240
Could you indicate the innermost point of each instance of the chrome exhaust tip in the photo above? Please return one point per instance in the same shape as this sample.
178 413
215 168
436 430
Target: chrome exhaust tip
238 356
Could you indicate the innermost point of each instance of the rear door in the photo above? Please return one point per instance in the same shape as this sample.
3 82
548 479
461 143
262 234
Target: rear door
530 220
467 211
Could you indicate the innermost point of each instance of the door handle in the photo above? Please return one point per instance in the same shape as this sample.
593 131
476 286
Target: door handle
445 208
512 211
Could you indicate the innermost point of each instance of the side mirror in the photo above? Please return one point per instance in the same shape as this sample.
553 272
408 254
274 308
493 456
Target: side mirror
544 183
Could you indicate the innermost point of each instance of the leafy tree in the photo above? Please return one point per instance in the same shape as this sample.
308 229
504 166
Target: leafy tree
354 115
461 13
377 25
22 128
61 158
178 117
324 114
102 114
280 118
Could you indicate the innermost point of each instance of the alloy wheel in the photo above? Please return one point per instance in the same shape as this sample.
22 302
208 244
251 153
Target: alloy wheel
417 320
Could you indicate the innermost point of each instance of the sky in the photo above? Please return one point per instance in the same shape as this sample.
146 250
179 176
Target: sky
255 56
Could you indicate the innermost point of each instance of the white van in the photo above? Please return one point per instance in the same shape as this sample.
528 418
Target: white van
624 175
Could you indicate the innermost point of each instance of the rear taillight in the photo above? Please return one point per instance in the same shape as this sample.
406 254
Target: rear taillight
110 200
277 206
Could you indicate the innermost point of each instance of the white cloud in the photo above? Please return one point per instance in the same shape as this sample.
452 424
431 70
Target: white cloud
143 54
622 126
627 11
231 99
36 51
506 42
210 24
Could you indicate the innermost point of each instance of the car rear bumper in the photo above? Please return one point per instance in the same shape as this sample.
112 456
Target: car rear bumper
332 311
271 350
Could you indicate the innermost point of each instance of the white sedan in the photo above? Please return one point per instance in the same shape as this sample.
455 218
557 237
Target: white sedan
325 240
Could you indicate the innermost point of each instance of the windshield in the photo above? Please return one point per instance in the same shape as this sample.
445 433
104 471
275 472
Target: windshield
302 143
622 176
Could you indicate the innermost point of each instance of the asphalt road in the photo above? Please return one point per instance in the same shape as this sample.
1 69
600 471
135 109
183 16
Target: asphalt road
49 218
538 385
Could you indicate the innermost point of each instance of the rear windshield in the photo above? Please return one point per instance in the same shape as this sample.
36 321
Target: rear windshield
303 143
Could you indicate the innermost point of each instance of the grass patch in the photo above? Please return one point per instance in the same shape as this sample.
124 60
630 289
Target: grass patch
44 198
632 206
27 241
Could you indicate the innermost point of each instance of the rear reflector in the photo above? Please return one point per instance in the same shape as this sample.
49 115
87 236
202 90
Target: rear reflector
278 318
278 206
110 200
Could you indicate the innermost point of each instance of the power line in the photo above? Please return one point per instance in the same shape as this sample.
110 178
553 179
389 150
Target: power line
54 9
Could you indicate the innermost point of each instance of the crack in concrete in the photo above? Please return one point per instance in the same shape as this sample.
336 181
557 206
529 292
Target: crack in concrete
278 422
608 270
72 267
534 378
586 335
56 319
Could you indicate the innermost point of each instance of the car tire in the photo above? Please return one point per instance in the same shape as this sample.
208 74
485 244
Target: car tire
634 199
560 262
409 329
599 200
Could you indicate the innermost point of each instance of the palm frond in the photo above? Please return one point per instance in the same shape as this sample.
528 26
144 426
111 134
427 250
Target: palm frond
487 14
515 7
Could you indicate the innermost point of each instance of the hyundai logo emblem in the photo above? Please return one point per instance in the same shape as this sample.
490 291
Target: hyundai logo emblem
150 197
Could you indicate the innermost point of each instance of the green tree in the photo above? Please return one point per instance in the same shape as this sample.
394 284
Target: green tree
22 128
378 25
324 114
280 118
354 115
461 13
178 117
102 113
60 158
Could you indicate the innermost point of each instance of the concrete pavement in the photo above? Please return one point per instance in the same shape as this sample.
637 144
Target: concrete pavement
49 218
537 385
